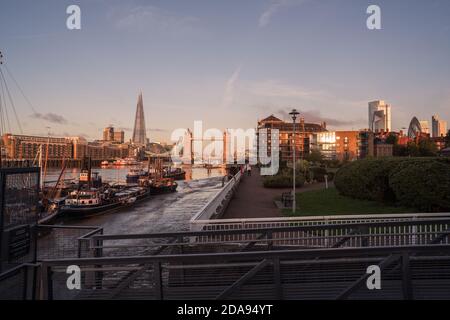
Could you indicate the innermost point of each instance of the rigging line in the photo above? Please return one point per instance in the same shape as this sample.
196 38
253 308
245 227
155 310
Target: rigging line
2 122
12 102
20 89
5 106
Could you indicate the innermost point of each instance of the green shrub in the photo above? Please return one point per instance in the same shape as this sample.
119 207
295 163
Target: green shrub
370 179
283 181
365 179
423 185
318 173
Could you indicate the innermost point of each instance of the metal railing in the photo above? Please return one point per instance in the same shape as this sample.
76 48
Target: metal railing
214 207
19 283
409 272
61 241
354 235
257 223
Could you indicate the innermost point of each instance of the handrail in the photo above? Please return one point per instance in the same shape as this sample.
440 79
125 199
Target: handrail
251 256
15 269
271 229
56 226
324 218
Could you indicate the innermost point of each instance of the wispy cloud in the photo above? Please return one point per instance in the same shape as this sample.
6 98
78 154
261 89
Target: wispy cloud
50 117
156 130
278 89
230 86
273 93
148 17
315 116
273 8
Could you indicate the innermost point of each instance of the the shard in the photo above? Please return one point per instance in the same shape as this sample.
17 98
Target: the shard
139 133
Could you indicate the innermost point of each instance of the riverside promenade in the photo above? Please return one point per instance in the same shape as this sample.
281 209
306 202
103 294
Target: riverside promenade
252 200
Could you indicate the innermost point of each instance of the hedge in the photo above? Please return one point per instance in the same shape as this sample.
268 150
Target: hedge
370 179
283 181
425 186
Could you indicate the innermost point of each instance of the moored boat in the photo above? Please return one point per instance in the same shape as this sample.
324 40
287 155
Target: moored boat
161 186
81 203
134 175
174 173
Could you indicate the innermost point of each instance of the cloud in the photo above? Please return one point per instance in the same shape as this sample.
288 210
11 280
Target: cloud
230 85
50 117
273 93
315 116
278 89
156 130
274 7
128 129
148 17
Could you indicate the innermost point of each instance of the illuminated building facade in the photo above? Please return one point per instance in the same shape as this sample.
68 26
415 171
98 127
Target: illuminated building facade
303 131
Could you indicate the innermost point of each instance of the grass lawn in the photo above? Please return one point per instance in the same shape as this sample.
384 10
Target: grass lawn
329 202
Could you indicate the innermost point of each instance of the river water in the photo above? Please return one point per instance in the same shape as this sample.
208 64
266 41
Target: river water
159 213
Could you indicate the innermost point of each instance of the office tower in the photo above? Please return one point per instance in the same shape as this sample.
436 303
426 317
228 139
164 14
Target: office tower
379 116
439 127
108 134
425 126
139 133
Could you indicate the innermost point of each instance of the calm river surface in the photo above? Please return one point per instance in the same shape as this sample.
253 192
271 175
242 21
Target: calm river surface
160 213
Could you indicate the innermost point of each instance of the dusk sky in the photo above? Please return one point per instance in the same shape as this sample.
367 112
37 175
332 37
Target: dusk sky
228 63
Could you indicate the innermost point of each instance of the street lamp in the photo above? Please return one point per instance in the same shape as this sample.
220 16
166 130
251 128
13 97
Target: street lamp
294 113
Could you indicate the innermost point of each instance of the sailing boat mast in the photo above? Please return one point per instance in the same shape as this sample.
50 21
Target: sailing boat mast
46 153
41 178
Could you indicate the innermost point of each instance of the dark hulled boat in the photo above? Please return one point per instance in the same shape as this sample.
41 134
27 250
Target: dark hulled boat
81 203
134 175
161 186
176 173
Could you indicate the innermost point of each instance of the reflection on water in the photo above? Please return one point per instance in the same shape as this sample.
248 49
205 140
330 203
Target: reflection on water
159 213
118 174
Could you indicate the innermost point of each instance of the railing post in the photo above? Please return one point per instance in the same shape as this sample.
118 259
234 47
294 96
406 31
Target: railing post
46 283
158 281
277 278
406 278
269 240
98 275
414 232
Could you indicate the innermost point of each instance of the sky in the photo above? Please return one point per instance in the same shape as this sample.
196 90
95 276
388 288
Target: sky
228 63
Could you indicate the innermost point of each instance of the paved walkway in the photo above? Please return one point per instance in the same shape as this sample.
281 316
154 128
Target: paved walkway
252 200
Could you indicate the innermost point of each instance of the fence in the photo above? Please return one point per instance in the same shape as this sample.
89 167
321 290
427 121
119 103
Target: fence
19 283
355 235
59 241
218 203
419 272
344 225
19 198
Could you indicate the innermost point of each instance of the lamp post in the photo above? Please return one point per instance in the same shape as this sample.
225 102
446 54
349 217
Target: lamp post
294 113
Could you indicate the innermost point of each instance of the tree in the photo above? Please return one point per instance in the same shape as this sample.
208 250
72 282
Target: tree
427 148
314 156
392 139
412 149
447 139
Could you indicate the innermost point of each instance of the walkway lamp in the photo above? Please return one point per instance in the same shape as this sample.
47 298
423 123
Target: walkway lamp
294 113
